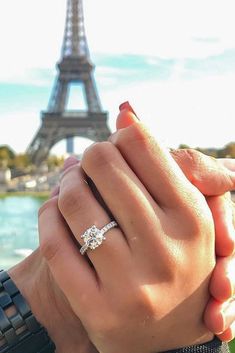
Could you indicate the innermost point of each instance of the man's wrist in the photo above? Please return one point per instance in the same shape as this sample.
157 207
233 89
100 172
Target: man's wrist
213 346
48 304
19 330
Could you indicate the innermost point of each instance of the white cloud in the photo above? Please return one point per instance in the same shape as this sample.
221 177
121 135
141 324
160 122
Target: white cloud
199 112
31 36
31 32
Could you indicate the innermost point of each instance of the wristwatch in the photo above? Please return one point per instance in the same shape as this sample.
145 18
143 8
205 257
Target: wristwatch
20 332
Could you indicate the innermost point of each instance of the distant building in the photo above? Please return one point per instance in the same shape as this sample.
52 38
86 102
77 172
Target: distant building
5 179
5 176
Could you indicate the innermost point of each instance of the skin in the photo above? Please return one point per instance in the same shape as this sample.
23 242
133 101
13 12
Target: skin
209 176
48 303
169 234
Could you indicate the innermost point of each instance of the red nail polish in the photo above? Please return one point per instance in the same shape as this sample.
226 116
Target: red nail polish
126 105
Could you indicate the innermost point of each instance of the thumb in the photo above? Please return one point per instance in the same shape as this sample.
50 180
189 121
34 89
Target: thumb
211 176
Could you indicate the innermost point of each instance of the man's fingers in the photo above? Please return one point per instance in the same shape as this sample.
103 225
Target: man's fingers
222 285
228 163
219 317
209 175
222 212
229 334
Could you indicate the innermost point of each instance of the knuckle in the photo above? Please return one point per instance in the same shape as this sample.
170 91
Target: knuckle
98 155
190 161
71 200
146 302
50 204
134 134
142 300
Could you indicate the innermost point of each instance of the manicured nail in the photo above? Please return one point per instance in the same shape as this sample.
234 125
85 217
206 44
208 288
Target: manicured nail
126 106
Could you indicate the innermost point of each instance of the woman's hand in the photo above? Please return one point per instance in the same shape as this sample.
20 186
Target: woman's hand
145 288
213 177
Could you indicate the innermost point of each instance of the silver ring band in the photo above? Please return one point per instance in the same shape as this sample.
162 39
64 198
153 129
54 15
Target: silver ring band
94 237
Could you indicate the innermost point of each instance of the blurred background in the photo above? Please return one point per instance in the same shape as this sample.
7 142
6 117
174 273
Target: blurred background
173 60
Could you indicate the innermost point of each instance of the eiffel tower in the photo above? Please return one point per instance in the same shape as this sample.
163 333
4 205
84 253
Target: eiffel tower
74 67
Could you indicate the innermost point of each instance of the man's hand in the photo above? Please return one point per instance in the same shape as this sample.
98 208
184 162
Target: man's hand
33 278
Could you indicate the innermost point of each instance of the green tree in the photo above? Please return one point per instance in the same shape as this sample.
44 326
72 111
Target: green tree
184 146
229 150
6 156
54 161
21 161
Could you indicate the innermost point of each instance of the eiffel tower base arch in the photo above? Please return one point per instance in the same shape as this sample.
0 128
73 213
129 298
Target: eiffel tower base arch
56 127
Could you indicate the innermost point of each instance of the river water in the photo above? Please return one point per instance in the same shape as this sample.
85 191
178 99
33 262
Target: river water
18 228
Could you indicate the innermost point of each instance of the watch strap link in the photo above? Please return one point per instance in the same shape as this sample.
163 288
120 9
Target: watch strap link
20 332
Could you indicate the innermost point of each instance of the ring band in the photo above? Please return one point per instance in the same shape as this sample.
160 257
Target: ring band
94 237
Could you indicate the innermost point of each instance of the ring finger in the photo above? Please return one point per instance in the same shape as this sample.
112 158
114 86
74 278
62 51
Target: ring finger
81 211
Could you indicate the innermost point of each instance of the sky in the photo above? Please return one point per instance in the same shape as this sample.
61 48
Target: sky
173 60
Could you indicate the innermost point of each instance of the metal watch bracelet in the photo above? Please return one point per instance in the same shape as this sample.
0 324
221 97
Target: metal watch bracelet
20 332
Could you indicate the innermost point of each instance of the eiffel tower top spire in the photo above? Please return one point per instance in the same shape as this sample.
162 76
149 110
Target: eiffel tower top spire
75 42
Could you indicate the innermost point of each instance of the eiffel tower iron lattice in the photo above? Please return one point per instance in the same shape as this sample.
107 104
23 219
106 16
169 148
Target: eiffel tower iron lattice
74 67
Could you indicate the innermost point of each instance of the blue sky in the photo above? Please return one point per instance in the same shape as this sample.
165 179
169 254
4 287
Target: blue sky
174 60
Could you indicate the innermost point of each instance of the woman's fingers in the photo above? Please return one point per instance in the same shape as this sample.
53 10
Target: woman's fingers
81 211
144 154
211 176
125 196
70 270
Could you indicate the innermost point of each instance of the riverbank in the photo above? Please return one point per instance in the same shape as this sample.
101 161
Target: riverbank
38 194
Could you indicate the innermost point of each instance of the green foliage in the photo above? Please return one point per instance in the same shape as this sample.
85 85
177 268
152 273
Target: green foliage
230 150
21 161
232 346
54 162
227 152
183 146
6 156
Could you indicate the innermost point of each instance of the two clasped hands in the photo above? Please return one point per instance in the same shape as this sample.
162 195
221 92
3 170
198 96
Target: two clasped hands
163 278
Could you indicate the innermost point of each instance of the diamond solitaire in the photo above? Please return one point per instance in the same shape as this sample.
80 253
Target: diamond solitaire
94 237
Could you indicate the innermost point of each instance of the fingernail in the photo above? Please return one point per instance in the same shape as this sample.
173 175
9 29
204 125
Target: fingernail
126 106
